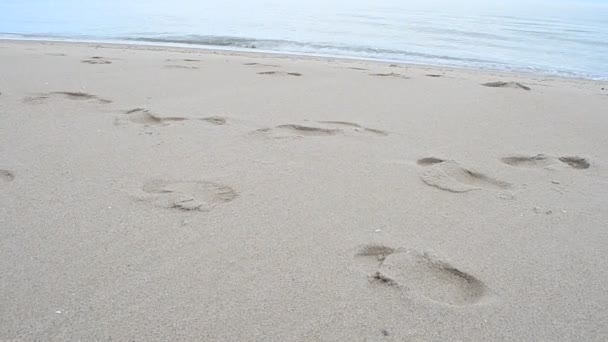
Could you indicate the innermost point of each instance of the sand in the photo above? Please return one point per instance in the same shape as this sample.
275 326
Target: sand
158 193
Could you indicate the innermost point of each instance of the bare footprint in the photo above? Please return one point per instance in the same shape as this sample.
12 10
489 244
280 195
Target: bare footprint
182 60
391 74
450 176
422 274
433 75
539 160
429 161
576 162
262 65
542 161
307 130
216 120
67 94
499 84
375 131
180 67
79 96
280 73
342 123
324 128
145 117
374 250
353 127
38 99
7 176
96 60
187 195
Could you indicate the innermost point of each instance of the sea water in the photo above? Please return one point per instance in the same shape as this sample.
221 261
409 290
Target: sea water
560 37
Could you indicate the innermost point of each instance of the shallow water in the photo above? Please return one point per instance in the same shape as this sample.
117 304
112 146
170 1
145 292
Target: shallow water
567 38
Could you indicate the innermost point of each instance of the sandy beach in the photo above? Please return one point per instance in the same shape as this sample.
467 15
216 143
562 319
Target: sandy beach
171 194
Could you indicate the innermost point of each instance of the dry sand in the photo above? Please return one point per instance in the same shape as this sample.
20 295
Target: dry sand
152 193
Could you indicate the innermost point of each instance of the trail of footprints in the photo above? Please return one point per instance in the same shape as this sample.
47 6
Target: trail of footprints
146 117
417 274
424 275
197 195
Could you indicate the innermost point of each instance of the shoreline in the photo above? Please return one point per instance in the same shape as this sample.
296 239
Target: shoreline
305 56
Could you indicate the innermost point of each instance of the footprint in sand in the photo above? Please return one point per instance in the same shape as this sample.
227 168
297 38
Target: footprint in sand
421 274
575 162
216 120
539 160
66 94
391 74
354 127
515 85
261 65
96 60
543 161
7 176
429 161
320 129
450 176
147 118
184 60
186 195
306 130
280 73
180 67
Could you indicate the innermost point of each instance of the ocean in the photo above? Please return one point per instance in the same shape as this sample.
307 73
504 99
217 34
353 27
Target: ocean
561 37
